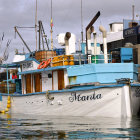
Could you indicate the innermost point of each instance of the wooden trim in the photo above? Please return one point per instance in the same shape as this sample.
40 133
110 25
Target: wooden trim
32 82
28 83
38 82
61 84
52 82
23 92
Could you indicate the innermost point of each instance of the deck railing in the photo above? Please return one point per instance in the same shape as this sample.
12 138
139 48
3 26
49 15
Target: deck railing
78 59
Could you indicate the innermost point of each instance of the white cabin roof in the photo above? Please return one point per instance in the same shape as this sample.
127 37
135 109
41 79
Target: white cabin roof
18 57
111 37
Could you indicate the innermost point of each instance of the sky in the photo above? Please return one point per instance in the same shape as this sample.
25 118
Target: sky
66 18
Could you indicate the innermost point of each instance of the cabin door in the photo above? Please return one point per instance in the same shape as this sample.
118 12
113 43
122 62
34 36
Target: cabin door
60 79
28 83
38 83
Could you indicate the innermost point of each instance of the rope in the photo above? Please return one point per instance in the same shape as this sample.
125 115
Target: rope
24 27
48 96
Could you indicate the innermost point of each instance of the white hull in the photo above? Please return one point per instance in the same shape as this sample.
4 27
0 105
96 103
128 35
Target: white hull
103 102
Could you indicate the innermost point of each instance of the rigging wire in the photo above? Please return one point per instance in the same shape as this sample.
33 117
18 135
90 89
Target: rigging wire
81 21
51 28
36 25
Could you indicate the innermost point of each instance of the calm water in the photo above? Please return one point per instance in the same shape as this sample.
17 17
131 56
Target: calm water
14 127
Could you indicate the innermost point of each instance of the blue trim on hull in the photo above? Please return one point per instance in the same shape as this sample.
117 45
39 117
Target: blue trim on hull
68 90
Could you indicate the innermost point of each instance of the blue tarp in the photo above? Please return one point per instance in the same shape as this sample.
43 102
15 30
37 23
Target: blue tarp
9 65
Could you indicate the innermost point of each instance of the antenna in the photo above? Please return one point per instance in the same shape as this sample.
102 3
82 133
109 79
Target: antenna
81 21
23 51
133 12
36 25
51 28
1 39
6 53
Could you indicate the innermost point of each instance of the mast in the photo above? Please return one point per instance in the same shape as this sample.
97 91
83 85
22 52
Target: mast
51 28
39 32
36 25
81 21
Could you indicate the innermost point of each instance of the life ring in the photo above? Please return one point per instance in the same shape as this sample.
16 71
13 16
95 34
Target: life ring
44 64
47 63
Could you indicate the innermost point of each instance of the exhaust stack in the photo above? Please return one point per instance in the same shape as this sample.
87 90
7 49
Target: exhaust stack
89 31
89 51
95 43
89 26
68 40
102 29
67 37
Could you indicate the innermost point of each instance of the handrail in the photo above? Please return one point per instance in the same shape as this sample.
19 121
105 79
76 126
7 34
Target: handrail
78 59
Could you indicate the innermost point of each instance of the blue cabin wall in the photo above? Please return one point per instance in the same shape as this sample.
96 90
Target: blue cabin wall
83 46
102 73
126 54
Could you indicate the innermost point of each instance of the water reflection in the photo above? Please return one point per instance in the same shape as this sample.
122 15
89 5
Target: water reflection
13 126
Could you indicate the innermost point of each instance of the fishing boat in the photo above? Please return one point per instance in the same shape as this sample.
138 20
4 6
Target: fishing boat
62 82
